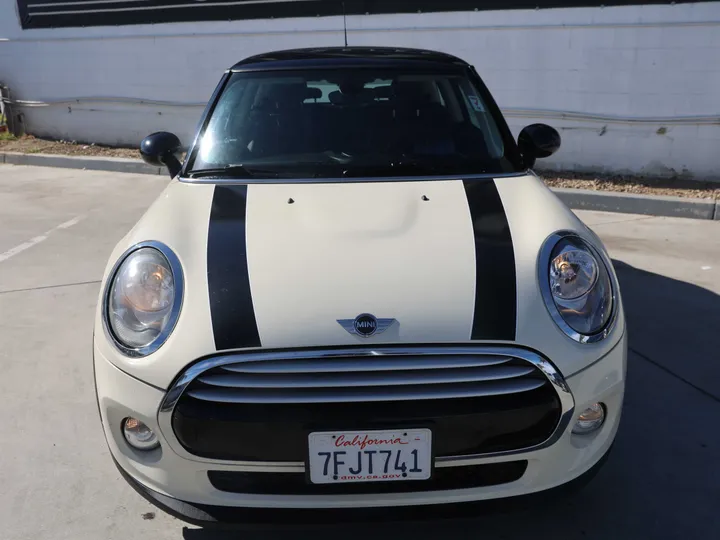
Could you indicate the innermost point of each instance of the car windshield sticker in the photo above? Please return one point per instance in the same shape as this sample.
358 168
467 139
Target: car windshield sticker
476 103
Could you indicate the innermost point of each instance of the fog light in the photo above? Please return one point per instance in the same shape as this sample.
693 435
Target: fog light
138 435
591 419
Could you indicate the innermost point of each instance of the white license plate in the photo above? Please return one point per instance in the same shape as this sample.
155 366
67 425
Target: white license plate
370 456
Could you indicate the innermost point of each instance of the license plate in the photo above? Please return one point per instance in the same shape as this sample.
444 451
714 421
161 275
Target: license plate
369 456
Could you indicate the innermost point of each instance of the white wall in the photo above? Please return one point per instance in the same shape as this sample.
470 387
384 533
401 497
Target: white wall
645 80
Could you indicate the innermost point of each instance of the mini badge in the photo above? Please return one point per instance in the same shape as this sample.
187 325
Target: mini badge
366 325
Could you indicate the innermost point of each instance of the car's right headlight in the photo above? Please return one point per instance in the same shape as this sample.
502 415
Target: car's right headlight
143 298
577 287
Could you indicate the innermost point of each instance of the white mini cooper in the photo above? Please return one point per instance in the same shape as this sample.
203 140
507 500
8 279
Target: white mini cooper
354 298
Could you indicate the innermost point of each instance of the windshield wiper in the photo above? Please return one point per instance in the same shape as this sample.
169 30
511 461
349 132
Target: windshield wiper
404 166
422 165
239 171
245 171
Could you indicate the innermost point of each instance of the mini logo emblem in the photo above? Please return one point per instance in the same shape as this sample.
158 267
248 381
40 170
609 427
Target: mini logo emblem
366 325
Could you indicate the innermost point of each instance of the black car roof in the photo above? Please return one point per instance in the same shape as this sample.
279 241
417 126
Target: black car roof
328 57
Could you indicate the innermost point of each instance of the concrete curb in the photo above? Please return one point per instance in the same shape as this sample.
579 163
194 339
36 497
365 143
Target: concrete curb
93 163
630 203
579 199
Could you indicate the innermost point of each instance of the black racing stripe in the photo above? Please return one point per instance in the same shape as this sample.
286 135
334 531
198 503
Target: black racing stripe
231 306
495 289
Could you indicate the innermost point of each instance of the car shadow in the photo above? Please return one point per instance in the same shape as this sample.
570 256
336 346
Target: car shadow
672 323
662 480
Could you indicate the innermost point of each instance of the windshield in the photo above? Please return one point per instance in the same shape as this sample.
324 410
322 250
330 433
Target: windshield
351 122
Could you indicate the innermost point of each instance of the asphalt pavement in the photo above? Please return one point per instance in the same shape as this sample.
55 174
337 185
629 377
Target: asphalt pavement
57 480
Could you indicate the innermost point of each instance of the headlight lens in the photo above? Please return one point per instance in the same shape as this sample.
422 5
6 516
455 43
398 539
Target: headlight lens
580 290
573 273
141 299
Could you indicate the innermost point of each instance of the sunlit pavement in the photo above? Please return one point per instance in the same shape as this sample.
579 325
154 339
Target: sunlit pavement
57 480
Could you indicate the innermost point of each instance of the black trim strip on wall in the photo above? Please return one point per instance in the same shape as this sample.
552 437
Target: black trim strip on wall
231 305
495 287
62 13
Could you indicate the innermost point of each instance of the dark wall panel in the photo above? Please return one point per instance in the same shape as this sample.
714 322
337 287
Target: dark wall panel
65 13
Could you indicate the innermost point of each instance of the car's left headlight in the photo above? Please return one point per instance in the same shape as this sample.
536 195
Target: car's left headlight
576 284
143 298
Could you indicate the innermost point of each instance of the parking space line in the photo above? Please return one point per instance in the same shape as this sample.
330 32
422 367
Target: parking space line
70 223
675 375
43 287
37 239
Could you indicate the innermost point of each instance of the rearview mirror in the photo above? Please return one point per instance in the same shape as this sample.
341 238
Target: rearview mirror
159 149
538 141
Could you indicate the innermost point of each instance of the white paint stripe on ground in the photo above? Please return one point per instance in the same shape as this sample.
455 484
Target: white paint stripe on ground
70 223
37 239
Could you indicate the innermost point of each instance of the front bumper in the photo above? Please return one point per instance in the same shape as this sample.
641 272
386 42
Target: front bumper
204 515
178 482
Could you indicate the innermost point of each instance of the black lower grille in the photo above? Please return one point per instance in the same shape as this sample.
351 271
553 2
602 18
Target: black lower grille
262 409
445 478
278 432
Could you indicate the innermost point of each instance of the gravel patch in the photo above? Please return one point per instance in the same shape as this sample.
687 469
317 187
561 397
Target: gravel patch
31 145
674 187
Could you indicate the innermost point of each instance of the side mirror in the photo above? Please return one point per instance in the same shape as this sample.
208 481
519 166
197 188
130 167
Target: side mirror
159 149
538 141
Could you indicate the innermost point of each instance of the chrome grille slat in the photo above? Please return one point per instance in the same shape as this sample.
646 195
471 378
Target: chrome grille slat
358 379
392 393
344 376
380 362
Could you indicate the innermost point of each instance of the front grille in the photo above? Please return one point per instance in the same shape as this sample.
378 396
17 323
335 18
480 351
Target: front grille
262 407
472 476
374 378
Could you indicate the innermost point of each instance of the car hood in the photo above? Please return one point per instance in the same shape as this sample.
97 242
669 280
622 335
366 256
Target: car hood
276 266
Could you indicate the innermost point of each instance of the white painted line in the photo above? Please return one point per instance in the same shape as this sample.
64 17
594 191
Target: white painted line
22 247
37 239
70 223
705 267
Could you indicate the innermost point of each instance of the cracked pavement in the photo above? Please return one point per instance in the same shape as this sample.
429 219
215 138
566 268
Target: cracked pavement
57 480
